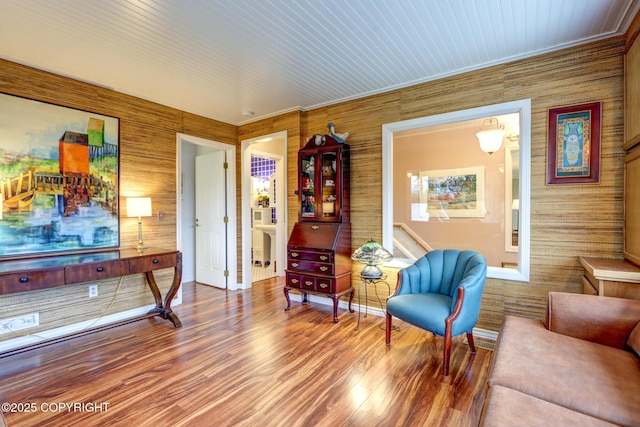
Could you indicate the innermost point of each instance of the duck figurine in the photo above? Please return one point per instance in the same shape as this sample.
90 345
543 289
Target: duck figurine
339 137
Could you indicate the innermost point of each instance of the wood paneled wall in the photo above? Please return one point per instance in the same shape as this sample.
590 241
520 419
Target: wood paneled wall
567 221
147 168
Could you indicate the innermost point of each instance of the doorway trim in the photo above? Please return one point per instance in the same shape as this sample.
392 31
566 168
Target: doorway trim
245 202
231 240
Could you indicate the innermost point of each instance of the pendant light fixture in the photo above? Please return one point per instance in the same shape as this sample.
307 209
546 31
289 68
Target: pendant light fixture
490 135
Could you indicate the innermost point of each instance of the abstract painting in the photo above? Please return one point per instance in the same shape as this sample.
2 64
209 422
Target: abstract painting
58 179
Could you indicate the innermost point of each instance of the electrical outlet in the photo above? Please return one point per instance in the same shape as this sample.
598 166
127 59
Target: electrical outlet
93 291
18 323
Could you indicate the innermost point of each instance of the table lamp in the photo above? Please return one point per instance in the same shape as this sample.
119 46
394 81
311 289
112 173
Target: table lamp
139 207
372 254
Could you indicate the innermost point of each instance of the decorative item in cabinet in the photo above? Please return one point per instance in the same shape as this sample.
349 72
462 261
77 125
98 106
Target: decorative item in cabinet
318 262
323 180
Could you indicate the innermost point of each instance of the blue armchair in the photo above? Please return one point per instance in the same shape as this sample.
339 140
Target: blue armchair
441 293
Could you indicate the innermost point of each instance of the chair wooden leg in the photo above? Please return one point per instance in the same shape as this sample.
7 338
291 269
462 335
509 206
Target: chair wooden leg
446 352
388 329
472 345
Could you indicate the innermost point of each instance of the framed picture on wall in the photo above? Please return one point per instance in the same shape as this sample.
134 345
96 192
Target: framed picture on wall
573 144
453 193
58 179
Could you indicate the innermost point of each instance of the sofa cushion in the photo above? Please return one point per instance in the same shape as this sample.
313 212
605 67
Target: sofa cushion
634 339
597 380
605 320
507 407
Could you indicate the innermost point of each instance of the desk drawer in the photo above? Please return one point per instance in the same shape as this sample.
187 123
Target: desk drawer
31 281
311 267
95 271
307 283
148 263
293 280
306 255
325 284
311 283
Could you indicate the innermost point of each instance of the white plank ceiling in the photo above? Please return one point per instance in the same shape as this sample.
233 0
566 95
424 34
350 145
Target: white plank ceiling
220 58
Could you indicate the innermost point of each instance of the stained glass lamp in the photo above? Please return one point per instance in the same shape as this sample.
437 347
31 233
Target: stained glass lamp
372 254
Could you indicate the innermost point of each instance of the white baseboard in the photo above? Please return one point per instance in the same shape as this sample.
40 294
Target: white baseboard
377 311
27 340
485 334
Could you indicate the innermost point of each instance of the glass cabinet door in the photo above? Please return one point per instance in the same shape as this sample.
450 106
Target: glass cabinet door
328 165
307 186
321 184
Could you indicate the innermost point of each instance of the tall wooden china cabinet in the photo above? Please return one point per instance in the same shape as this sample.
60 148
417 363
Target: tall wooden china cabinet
319 248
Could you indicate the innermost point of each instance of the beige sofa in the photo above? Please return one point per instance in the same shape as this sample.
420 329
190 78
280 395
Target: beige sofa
580 369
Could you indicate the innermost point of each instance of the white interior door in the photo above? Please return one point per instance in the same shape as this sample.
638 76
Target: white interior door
210 226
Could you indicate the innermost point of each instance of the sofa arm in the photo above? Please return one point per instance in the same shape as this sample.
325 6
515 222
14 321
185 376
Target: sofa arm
603 320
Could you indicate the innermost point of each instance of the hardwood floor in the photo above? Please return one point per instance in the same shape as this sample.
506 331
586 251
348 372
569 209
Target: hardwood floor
241 360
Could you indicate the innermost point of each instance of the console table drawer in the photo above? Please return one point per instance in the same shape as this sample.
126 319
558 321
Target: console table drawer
95 271
30 281
143 264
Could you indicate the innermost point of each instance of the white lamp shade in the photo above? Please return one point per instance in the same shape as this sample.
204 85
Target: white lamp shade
490 140
138 206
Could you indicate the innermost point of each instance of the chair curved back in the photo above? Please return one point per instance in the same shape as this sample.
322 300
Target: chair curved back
442 271
428 292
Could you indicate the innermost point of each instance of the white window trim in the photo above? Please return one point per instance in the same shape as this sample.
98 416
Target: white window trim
523 107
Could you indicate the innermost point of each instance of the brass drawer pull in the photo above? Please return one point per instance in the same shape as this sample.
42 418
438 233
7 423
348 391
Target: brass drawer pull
294 280
315 227
100 269
24 279
294 264
324 285
323 257
294 254
324 268
308 283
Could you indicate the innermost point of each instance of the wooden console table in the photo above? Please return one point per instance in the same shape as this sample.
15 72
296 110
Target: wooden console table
32 274
610 277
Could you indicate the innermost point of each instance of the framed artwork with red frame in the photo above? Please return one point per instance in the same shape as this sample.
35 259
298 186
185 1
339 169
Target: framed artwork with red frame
573 144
